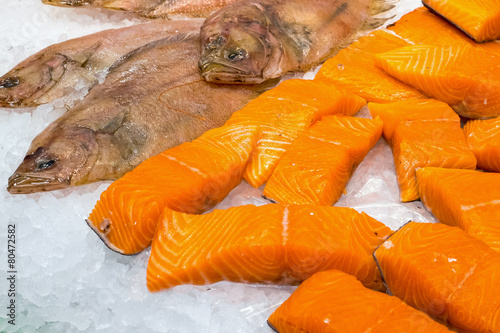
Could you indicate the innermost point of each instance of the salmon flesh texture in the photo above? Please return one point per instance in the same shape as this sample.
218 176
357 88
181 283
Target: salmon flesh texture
332 301
483 137
284 113
255 40
422 133
463 77
267 244
54 72
444 272
480 19
468 199
320 162
192 177
112 130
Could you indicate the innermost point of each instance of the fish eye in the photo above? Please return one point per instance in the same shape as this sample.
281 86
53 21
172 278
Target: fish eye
45 164
9 82
237 54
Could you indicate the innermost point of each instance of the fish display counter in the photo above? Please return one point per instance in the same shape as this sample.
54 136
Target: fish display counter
60 277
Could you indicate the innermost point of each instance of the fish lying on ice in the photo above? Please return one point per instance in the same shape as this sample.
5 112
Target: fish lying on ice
123 121
254 40
53 72
150 8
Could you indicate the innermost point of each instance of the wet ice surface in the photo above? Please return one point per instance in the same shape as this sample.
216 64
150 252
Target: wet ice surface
67 280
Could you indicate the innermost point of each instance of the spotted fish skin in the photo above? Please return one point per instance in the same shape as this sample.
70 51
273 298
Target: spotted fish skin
112 131
53 72
253 41
169 9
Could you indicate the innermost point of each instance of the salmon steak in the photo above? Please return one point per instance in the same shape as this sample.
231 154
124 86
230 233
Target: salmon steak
409 27
465 78
483 137
422 133
317 167
267 244
444 272
332 301
283 113
192 177
480 19
354 69
467 199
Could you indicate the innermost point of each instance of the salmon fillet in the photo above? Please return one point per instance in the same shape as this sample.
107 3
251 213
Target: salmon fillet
444 272
317 167
332 301
467 199
422 133
283 113
192 177
267 244
483 137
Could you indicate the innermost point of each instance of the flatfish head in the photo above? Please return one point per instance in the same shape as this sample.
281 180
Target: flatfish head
238 45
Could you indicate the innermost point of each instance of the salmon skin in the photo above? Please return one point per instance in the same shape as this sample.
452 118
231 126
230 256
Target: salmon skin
422 133
283 113
468 199
317 167
354 69
444 272
54 72
154 9
267 244
483 137
192 177
255 40
112 131
480 19
463 77
332 301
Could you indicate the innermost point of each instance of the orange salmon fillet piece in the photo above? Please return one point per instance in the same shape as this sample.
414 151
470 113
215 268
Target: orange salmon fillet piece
444 272
483 137
422 133
465 78
332 301
192 177
354 69
283 113
467 199
480 19
317 167
436 32
268 244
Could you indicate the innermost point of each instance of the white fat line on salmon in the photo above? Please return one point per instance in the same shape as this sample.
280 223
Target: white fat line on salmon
274 141
195 170
483 204
325 140
284 234
289 100
459 286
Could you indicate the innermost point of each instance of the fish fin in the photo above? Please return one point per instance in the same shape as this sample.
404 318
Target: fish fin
157 43
83 56
382 6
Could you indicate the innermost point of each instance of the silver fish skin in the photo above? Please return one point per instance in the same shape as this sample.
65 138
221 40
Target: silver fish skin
252 41
52 73
151 8
122 122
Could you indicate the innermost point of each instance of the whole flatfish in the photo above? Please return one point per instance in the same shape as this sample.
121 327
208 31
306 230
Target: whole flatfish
152 100
151 8
53 72
252 41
